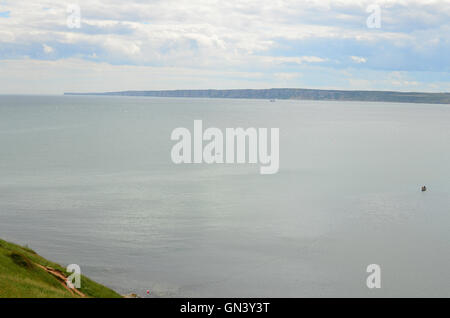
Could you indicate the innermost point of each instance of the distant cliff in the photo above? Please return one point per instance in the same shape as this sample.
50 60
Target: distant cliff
293 93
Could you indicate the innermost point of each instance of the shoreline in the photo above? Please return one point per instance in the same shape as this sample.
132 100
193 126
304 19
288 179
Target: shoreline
274 94
26 274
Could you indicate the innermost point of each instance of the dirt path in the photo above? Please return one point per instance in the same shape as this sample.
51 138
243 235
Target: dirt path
61 278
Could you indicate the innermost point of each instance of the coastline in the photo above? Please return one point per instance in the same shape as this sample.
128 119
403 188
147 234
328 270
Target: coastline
274 94
25 274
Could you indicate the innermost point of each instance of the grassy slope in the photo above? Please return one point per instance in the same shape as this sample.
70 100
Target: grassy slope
19 277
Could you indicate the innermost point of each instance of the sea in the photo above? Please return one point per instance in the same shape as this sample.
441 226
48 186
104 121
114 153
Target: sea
89 180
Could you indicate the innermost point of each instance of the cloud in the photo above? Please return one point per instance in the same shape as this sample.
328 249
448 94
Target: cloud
256 36
286 76
47 49
358 59
293 59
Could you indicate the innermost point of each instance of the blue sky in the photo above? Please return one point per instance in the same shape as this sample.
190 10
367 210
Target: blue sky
168 44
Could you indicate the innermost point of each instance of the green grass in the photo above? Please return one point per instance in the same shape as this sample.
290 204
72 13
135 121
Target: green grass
21 278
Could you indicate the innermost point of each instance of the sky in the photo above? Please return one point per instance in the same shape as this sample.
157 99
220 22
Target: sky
51 47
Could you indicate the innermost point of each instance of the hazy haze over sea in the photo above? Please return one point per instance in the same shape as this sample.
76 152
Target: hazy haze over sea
89 180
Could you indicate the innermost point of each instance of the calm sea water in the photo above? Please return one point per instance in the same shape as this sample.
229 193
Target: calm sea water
89 180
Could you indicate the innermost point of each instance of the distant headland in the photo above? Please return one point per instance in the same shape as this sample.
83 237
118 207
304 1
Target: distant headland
292 93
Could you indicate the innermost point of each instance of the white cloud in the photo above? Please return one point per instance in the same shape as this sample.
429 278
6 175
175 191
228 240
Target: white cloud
293 59
358 59
47 49
286 76
50 77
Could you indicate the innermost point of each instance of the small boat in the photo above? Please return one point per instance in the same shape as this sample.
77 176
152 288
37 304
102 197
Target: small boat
424 188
